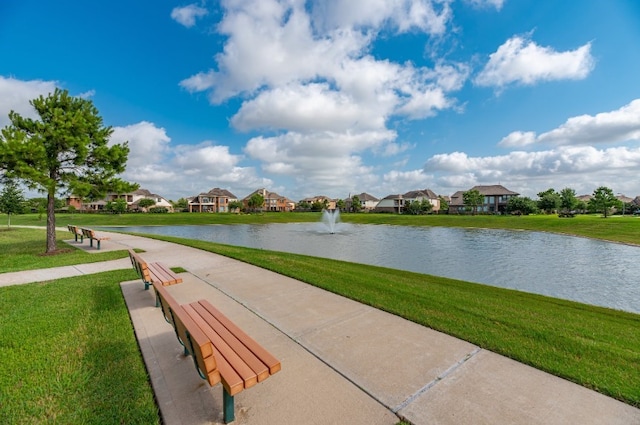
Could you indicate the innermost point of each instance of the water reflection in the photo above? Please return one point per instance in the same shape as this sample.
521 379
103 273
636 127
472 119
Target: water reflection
585 270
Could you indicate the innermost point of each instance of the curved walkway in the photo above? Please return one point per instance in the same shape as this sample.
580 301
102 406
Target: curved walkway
342 361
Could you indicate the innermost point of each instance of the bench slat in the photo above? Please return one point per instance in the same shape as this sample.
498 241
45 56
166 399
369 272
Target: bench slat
162 274
235 375
243 362
265 357
241 353
153 272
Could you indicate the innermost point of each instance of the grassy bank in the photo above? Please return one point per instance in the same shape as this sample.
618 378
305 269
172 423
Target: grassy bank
596 347
68 354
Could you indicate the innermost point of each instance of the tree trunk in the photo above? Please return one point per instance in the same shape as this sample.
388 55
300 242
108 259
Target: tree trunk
51 222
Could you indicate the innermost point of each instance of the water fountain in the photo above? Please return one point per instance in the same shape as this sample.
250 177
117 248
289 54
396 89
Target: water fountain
330 218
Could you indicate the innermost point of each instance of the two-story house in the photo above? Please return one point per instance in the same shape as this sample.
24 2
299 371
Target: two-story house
396 203
216 200
132 199
272 201
495 200
367 202
330 204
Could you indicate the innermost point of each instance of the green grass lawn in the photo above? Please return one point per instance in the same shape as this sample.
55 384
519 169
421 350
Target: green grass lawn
593 346
68 354
596 347
23 249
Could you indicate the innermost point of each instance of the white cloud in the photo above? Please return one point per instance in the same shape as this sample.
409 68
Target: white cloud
402 15
306 75
521 61
305 108
518 139
16 94
607 127
182 170
187 15
148 144
398 181
581 167
205 159
621 125
321 161
497 4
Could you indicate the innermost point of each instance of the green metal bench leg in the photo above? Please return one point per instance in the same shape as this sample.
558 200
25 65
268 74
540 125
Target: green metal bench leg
98 243
91 242
228 409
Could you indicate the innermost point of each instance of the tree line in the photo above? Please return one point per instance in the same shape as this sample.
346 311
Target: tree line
565 203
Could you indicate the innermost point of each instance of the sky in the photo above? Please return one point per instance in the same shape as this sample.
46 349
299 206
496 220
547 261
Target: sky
336 98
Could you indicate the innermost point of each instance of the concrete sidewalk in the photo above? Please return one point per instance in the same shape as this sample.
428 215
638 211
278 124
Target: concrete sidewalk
342 362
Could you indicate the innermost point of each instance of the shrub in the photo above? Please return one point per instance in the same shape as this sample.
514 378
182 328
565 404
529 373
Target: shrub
158 210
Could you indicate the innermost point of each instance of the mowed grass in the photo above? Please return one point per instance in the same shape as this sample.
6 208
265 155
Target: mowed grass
23 249
595 347
68 354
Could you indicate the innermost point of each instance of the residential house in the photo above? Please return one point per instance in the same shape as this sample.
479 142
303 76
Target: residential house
74 201
272 201
132 199
627 204
396 203
495 200
330 204
367 202
215 201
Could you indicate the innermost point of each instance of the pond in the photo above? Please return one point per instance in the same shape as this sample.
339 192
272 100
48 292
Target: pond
579 269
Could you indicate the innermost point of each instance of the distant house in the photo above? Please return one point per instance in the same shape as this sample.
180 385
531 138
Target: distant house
214 201
329 203
495 200
140 194
272 201
132 199
74 201
396 203
367 202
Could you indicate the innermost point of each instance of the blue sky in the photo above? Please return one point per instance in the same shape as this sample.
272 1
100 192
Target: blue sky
335 97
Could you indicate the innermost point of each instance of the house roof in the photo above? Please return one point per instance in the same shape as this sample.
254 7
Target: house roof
426 193
414 194
267 195
366 197
143 192
393 196
494 190
216 191
456 199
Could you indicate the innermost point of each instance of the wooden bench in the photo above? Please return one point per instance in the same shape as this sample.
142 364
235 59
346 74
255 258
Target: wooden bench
153 272
75 230
91 235
221 351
